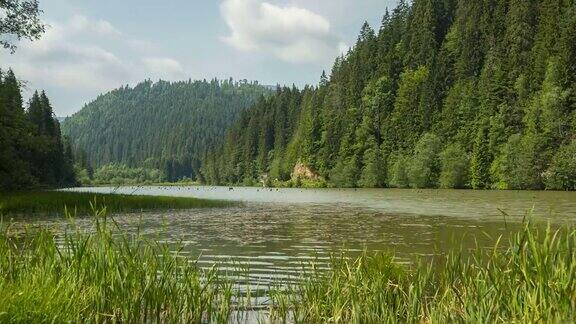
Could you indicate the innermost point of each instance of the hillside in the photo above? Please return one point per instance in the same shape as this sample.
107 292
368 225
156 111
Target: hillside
447 93
162 125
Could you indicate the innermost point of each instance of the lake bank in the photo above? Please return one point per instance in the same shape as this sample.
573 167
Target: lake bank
83 203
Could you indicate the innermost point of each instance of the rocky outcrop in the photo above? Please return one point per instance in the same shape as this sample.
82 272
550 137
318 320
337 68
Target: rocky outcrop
302 171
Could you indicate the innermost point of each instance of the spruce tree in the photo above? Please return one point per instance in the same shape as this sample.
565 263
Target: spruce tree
48 122
36 113
481 160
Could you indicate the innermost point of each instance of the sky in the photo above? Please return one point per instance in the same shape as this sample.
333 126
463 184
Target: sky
91 47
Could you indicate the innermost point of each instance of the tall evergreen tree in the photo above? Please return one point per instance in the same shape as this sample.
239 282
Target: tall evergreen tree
28 156
481 160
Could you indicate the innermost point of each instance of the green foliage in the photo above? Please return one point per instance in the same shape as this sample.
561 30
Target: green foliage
32 150
515 167
345 173
529 280
374 171
407 119
471 72
481 160
455 167
562 172
82 203
457 119
424 163
82 176
398 174
261 143
166 125
118 174
19 19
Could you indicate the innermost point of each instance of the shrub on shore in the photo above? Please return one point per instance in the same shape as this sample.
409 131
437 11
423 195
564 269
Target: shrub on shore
82 203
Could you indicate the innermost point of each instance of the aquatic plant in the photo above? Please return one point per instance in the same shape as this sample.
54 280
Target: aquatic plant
82 203
530 281
108 275
104 276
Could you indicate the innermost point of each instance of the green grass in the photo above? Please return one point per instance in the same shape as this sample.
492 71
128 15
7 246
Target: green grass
98 278
111 276
55 202
531 281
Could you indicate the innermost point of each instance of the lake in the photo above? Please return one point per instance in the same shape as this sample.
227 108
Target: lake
277 231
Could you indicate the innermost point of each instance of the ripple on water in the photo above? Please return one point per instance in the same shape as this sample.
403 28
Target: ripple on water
279 234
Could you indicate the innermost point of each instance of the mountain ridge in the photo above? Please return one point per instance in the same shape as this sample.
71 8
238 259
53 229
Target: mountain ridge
163 125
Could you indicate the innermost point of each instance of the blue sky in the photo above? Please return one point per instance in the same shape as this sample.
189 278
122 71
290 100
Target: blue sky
95 46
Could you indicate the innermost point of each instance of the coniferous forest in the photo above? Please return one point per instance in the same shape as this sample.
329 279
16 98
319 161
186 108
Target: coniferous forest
446 93
450 94
32 151
157 126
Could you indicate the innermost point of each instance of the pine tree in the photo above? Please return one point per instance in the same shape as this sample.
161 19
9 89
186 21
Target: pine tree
36 113
422 40
406 120
519 35
28 158
481 160
48 123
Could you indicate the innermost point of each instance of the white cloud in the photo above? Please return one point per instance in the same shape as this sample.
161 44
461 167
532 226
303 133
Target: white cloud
290 33
82 55
79 23
68 56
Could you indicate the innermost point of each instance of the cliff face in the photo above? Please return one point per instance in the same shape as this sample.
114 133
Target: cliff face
304 172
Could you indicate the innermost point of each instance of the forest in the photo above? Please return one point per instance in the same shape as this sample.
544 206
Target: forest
33 154
156 126
445 94
451 94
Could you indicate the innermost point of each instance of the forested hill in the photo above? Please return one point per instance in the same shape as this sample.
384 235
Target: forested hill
447 93
162 125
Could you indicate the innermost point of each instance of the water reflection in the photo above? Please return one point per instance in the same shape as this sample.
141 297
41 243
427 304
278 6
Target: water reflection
455 203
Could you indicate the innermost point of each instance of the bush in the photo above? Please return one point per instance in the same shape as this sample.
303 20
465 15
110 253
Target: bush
561 175
424 165
82 176
119 174
399 171
517 166
455 166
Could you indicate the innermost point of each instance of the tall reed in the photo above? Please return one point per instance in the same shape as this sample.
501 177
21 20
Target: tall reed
104 276
530 281
108 275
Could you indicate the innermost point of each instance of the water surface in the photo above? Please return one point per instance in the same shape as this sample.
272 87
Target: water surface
275 231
